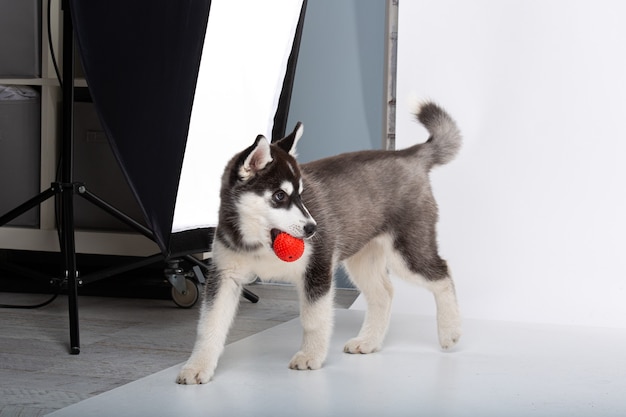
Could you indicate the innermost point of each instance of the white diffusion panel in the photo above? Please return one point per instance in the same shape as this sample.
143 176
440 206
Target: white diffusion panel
246 49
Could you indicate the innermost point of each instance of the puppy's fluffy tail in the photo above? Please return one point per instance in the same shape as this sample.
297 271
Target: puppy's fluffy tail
445 138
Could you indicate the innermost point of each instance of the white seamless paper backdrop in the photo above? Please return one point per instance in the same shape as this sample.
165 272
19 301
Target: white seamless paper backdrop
533 210
245 54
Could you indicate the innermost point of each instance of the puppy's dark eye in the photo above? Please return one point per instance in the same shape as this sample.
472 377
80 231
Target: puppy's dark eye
279 196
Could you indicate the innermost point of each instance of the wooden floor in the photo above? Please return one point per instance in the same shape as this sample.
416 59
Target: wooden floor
122 340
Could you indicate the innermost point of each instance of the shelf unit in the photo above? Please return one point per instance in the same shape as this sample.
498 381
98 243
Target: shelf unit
45 237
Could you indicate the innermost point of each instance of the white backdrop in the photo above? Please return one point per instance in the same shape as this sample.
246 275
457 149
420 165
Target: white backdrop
533 211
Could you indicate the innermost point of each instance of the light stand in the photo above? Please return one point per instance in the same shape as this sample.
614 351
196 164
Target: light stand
65 190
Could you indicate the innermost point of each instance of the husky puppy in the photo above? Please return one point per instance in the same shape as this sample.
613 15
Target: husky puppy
372 211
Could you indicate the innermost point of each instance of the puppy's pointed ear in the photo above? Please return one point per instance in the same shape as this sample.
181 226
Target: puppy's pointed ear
258 158
288 143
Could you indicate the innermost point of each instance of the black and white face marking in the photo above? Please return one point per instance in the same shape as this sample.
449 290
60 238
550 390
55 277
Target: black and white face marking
298 219
263 216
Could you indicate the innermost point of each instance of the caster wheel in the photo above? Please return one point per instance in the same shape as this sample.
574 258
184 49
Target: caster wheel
187 298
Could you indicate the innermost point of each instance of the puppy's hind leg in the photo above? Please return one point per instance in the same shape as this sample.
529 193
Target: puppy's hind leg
368 270
431 272
448 316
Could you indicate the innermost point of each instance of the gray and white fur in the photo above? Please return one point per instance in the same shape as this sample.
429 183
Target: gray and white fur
372 211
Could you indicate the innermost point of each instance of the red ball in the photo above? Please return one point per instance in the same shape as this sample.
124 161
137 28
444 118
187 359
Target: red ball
288 248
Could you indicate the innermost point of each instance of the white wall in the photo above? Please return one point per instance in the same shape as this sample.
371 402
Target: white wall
533 211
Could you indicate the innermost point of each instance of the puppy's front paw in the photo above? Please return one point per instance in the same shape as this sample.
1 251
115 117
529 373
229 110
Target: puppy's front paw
306 361
191 375
361 345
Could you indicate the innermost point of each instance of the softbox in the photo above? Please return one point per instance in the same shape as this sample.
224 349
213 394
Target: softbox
179 87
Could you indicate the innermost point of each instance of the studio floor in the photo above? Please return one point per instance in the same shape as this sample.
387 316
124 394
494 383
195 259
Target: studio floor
498 369
122 340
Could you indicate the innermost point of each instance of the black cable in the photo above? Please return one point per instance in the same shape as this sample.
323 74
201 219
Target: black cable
45 303
59 159
52 55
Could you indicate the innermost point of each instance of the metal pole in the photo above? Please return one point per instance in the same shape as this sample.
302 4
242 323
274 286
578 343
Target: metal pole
68 243
391 58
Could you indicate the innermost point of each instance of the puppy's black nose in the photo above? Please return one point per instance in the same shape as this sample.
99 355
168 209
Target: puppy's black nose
309 229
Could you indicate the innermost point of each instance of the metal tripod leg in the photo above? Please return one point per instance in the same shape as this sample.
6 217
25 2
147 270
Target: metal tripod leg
71 271
32 203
